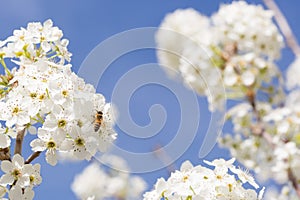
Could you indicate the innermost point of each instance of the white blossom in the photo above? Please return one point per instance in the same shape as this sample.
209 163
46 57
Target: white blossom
200 182
292 74
97 183
250 27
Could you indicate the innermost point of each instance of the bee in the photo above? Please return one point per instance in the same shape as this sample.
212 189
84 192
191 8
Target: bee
98 120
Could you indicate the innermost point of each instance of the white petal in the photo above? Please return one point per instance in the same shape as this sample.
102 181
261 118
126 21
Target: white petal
15 193
3 191
4 141
67 145
187 165
38 145
51 157
28 194
18 161
6 166
32 130
261 193
7 179
48 23
24 181
248 78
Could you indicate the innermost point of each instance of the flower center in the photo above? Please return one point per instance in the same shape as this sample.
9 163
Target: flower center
64 93
185 178
79 142
51 145
16 173
33 95
15 110
42 97
61 123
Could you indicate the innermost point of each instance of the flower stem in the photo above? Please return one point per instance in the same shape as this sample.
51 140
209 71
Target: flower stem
33 156
284 27
294 181
5 67
259 130
19 142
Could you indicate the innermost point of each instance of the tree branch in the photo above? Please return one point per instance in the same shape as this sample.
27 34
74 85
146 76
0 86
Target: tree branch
164 157
19 142
5 154
294 181
259 130
284 27
33 156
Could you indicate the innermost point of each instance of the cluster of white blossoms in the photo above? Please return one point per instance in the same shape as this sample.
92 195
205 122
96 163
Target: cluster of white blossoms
249 27
225 181
236 48
98 182
20 177
285 194
44 91
268 145
42 96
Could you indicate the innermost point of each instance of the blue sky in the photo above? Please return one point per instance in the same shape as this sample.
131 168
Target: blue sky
88 23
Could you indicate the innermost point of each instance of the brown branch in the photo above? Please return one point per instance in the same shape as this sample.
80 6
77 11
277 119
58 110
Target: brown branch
294 46
294 181
284 27
33 156
19 142
259 130
5 154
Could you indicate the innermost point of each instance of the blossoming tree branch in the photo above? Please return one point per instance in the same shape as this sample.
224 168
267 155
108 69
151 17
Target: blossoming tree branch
40 95
242 43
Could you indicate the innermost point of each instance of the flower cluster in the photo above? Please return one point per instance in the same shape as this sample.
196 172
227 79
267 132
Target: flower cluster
235 48
20 177
267 139
97 183
200 182
285 194
44 92
249 27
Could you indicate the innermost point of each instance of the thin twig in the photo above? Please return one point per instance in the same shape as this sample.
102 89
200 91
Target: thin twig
33 156
294 181
259 130
294 46
164 157
19 142
285 28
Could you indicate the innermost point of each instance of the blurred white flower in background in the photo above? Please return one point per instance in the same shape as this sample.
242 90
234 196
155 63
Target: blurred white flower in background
110 180
235 48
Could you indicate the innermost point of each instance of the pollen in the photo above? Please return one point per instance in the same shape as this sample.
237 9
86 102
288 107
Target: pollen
79 123
79 142
16 173
61 123
185 178
219 177
33 95
64 93
16 110
31 178
230 187
51 145
42 97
